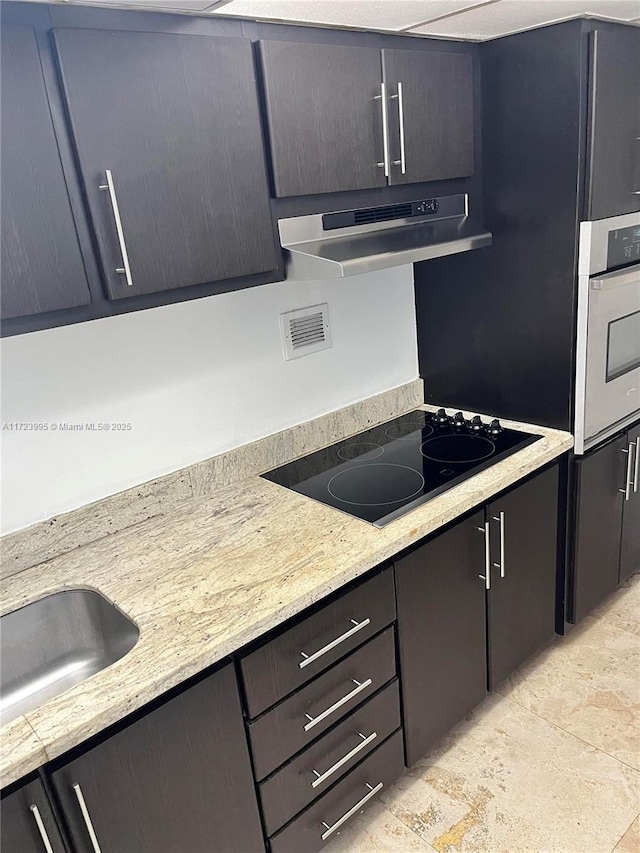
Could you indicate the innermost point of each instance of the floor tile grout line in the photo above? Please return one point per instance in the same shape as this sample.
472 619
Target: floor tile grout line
410 828
625 832
571 734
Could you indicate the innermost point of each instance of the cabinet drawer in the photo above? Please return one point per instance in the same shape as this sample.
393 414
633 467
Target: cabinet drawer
328 759
323 820
301 718
297 655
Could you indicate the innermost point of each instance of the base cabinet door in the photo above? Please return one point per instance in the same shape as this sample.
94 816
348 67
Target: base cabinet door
523 539
599 499
28 824
174 173
178 779
630 541
441 632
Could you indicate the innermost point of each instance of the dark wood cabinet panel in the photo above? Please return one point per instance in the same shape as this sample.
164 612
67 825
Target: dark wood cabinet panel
177 779
20 812
362 785
290 726
599 477
614 147
42 268
289 790
441 633
630 541
521 601
325 127
274 670
436 100
175 119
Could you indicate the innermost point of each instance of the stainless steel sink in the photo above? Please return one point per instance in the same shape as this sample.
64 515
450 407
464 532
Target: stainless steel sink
52 644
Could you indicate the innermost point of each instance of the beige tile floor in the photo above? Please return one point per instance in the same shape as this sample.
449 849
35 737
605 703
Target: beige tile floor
548 764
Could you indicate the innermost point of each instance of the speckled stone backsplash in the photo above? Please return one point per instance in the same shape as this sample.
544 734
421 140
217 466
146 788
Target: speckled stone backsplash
63 533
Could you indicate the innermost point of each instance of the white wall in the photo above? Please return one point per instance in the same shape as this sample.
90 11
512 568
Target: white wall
193 379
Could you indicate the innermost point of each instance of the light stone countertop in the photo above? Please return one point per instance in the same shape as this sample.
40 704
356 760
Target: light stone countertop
203 581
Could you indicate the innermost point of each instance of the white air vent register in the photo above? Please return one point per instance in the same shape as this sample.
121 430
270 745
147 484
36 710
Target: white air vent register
305 330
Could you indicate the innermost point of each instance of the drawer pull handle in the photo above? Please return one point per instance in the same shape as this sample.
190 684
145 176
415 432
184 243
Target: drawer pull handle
357 626
87 818
360 686
364 743
345 817
35 811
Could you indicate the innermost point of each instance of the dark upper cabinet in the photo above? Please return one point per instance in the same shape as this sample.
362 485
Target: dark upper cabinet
28 824
178 779
337 121
168 139
325 126
630 541
599 487
614 133
42 268
441 633
523 539
430 114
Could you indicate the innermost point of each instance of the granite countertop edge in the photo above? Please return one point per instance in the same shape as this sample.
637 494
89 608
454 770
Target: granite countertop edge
208 580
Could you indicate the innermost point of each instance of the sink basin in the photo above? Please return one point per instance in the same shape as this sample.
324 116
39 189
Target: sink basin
52 644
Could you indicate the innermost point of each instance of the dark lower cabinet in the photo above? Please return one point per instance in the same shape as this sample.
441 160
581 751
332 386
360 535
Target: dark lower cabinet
523 527
441 633
454 626
42 268
178 779
169 144
630 539
599 499
28 824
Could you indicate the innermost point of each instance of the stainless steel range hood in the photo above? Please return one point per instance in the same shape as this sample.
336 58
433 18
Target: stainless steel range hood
344 243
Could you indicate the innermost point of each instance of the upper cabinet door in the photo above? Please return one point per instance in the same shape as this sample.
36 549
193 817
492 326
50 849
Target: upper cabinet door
430 114
42 268
325 124
168 138
614 155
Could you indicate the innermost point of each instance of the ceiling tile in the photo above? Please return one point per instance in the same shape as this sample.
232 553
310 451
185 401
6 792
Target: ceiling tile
508 16
365 14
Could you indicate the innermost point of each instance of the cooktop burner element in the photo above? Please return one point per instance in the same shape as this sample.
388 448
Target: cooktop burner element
458 449
390 469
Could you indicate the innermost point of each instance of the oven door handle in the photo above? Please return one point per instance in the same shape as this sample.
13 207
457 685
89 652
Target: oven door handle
620 278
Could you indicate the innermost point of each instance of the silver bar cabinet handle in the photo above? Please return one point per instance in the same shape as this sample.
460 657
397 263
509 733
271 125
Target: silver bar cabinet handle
322 777
313 721
385 130
87 818
486 577
628 482
125 268
636 469
403 158
500 519
35 811
357 626
345 817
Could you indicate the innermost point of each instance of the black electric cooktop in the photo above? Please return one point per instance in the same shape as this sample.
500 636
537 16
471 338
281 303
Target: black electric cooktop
386 471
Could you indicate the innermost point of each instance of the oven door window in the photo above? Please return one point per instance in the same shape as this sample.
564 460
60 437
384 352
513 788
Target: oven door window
623 346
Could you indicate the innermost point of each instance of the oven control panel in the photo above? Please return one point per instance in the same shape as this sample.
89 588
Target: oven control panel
623 247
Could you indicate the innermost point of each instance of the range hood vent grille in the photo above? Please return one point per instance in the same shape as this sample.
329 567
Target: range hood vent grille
381 214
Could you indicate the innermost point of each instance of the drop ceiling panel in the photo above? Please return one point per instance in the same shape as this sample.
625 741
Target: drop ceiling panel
509 16
365 14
